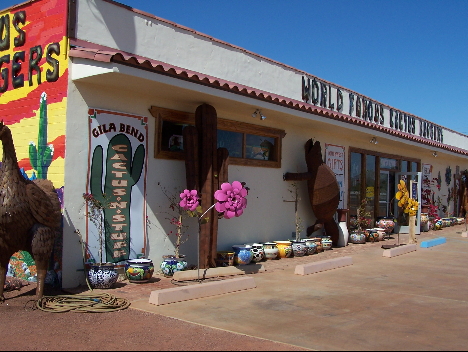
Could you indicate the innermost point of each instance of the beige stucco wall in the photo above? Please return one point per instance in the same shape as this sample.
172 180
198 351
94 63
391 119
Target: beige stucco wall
120 88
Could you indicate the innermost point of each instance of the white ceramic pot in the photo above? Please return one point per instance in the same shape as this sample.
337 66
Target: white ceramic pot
271 250
343 234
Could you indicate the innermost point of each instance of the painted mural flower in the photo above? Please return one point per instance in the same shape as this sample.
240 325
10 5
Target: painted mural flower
189 200
231 199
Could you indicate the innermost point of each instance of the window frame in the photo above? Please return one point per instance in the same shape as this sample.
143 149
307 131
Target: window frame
163 114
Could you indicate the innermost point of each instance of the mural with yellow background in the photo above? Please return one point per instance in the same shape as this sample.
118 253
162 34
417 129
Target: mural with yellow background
33 96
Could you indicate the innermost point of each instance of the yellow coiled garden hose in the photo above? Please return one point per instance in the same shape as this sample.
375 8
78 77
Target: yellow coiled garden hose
82 303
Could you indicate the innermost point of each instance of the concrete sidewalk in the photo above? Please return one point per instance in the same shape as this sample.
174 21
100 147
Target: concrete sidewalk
415 301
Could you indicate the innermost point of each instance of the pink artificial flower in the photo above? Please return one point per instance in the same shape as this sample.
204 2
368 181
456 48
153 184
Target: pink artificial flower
189 200
231 199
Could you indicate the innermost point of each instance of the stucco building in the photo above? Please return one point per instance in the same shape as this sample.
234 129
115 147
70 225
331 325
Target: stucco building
119 81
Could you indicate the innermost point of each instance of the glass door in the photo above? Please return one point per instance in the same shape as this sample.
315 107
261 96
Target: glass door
413 184
384 194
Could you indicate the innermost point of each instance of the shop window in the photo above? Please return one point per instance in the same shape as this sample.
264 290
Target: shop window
372 175
248 144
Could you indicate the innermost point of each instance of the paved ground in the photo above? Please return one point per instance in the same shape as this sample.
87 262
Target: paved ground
416 301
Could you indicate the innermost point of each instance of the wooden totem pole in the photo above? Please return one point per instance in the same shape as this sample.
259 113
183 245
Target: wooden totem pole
206 168
323 189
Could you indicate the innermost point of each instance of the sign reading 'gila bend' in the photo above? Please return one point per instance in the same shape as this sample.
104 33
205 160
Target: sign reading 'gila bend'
333 98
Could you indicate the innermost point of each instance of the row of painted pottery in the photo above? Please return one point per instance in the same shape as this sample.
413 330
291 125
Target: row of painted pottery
256 252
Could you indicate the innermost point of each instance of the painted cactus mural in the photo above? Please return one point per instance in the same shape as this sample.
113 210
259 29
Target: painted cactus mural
41 155
122 172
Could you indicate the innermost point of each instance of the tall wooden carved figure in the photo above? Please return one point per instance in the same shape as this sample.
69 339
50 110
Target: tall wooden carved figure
29 215
206 168
323 189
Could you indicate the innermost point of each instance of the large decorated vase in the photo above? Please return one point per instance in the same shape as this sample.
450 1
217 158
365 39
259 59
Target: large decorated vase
139 270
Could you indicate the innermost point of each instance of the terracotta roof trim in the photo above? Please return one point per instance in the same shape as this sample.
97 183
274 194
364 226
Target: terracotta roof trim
109 55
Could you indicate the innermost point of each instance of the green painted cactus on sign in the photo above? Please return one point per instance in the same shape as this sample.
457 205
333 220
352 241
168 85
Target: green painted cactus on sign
41 156
123 170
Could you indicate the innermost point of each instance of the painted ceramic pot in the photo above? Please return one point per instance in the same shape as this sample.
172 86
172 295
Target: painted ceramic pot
139 270
357 238
102 275
224 258
424 222
326 242
242 254
172 264
299 248
311 246
318 242
438 224
387 224
271 250
371 235
257 252
343 234
446 222
381 234
285 249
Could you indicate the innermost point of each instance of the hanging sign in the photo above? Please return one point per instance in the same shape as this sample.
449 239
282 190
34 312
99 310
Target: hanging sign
426 184
335 159
117 176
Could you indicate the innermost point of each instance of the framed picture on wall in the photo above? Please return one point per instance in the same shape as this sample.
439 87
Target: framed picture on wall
176 142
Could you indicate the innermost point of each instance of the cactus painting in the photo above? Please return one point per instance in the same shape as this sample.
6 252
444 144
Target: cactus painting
41 155
117 164
123 170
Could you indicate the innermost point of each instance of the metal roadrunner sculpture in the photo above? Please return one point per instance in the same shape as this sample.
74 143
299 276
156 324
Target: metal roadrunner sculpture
30 215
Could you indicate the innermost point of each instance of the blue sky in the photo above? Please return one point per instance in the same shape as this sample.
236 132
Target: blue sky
409 54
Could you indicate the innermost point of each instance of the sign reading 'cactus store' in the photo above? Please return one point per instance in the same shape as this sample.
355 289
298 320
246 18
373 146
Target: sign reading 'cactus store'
117 177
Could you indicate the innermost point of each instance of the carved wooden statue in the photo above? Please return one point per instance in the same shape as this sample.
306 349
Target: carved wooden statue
324 191
206 169
29 215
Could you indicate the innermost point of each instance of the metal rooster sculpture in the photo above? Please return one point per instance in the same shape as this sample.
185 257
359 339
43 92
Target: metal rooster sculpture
30 215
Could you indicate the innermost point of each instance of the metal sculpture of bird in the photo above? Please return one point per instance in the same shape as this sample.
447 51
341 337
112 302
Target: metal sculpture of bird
30 215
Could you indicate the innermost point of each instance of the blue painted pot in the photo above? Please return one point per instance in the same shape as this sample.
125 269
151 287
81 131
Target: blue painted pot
242 254
172 264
